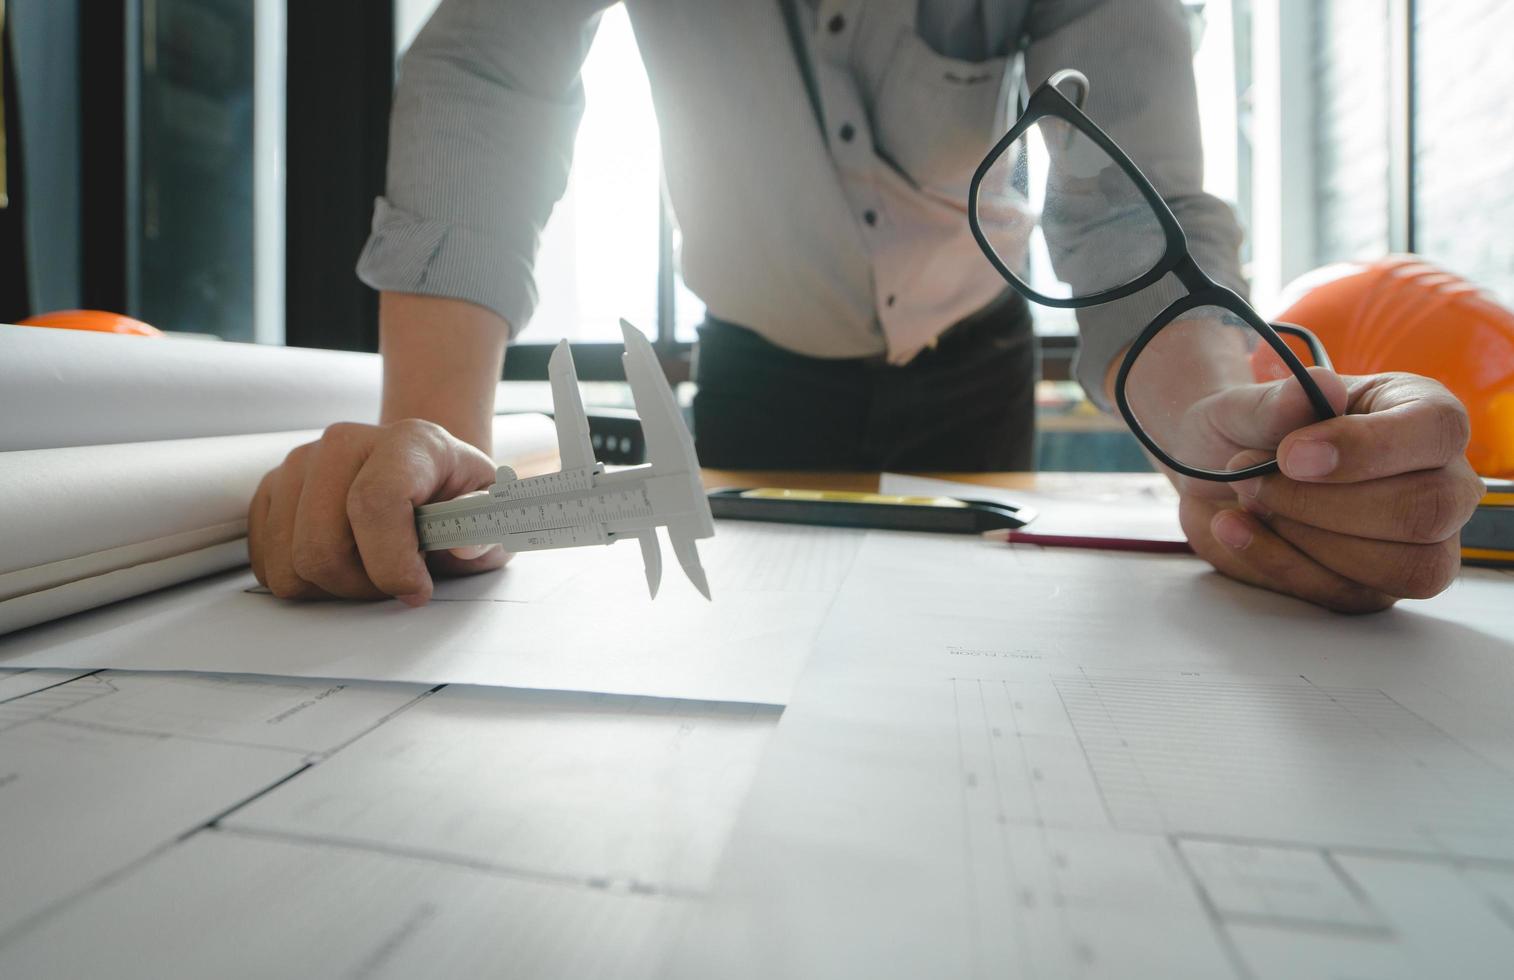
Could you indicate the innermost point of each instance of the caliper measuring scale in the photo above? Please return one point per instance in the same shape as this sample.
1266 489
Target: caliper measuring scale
582 504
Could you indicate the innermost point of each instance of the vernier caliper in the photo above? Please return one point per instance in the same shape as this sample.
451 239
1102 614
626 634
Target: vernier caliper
581 504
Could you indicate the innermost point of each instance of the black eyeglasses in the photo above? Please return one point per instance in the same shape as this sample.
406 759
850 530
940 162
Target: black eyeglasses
1057 194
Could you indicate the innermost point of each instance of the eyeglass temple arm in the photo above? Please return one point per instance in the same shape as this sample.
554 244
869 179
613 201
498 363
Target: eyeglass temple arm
1316 348
1074 78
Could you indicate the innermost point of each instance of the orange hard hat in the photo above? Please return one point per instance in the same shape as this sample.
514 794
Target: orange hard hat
1403 314
92 320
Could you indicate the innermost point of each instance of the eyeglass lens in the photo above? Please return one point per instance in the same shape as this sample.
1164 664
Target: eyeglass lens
1064 217
1198 390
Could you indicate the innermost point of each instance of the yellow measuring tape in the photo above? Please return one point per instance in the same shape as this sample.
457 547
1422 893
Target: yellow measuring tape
850 497
1498 501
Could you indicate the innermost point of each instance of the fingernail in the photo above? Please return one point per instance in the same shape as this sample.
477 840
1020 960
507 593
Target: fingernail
1310 458
1246 491
1231 530
469 552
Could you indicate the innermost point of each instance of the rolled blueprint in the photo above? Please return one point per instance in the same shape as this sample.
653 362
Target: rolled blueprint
80 388
83 526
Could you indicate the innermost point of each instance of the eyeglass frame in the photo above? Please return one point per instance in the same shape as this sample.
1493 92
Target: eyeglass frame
1177 259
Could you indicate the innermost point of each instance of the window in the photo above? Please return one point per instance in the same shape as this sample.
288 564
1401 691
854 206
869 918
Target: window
1463 143
1352 73
1406 142
193 225
605 246
1222 79
599 252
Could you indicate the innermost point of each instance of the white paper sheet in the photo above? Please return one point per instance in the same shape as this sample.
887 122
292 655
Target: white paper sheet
1055 763
107 507
1150 514
310 718
630 793
81 388
230 905
143 499
465 832
97 773
90 525
19 683
576 619
55 602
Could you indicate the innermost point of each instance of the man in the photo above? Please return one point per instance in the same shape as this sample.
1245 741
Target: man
817 154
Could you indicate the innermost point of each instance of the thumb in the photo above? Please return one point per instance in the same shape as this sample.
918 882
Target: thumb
468 468
1259 416
471 471
468 561
468 552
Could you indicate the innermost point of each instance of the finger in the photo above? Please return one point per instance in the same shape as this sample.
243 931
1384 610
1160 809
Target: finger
1240 546
1408 571
409 466
278 553
1399 423
257 527
469 469
1259 416
475 471
1426 507
324 553
1220 494
448 564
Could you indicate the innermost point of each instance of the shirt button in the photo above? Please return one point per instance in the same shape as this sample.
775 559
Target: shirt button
870 216
847 132
837 24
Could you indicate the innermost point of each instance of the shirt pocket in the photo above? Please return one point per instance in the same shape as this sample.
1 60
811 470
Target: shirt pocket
935 117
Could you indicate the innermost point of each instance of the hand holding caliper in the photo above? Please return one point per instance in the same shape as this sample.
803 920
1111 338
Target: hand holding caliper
582 504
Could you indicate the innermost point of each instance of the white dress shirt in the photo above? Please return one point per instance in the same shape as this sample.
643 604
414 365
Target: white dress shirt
839 236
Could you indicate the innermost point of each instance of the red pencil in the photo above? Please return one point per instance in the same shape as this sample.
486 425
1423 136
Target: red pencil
1147 545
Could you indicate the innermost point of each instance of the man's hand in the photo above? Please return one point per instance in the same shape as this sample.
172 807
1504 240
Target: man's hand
1368 507
337 518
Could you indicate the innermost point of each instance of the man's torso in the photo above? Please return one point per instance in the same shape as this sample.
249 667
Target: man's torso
840 232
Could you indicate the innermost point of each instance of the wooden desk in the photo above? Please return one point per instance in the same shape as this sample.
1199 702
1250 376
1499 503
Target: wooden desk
832 480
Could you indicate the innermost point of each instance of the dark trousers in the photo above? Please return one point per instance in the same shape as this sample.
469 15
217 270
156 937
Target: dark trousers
966 404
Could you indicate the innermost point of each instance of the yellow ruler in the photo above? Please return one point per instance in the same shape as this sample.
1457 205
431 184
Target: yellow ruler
1488 538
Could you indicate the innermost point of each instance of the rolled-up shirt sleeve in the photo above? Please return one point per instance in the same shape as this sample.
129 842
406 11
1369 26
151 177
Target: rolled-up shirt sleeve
1139 61
481 135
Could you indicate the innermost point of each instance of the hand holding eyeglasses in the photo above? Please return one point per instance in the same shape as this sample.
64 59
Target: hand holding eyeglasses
1367 506
1348 492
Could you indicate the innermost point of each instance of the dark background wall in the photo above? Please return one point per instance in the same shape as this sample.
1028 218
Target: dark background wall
341 73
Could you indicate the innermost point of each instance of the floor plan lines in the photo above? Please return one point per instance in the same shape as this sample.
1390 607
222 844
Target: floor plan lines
1065 896
1285 760
1270 814
15 684
53 700
524 821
